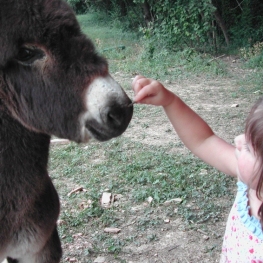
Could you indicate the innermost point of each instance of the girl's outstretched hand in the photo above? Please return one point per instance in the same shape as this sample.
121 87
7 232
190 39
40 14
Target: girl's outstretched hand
149 91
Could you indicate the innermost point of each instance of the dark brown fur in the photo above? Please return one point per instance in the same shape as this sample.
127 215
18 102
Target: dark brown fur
46 67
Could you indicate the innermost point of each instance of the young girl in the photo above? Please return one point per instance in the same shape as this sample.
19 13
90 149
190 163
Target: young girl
243 240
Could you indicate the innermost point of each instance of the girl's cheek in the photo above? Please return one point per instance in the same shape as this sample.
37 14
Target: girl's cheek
245 172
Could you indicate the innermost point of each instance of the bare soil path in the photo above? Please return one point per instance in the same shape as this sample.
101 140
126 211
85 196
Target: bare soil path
224 105
218 102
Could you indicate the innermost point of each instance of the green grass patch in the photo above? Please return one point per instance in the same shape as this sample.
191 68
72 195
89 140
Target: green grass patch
132 170
129 53
136 172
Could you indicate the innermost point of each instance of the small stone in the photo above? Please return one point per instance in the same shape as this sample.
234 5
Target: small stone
106 199
203 172
149 199
205 237
100 260
112 230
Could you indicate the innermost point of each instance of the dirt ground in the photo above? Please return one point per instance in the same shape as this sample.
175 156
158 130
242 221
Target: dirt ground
218 101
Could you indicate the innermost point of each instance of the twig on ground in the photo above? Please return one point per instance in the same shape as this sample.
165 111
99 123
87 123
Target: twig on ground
215 58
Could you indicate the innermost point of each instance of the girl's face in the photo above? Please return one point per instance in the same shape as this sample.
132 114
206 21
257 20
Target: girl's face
247 163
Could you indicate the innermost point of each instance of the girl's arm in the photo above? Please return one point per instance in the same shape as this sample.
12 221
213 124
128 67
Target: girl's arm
191 128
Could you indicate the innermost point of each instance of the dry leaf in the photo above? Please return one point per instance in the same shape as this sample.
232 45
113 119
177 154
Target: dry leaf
79 189
85 204
77 235
175 200
61 222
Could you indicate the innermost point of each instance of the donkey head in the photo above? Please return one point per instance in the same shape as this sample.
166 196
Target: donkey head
51 78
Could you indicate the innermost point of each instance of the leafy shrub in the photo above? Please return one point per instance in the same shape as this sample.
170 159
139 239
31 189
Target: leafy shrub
255 50
181 24
79 6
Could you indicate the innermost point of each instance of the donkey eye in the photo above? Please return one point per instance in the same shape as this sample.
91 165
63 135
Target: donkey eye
27 56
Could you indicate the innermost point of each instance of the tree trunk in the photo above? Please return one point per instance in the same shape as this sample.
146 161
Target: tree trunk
148 17
107 5
123 8
222 25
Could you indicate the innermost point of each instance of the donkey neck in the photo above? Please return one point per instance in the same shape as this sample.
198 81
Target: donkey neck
23 153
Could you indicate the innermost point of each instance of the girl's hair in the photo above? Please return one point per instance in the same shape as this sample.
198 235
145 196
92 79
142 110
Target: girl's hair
254 134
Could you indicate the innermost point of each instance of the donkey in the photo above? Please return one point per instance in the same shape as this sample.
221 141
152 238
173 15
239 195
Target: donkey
52 82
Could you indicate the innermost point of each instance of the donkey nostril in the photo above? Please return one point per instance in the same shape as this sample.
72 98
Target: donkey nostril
114 118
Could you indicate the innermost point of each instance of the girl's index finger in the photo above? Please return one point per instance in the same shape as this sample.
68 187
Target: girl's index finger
136 78
137 83
143 93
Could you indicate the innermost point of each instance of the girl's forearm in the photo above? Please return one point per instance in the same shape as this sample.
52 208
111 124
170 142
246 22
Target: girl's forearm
199 138
190 127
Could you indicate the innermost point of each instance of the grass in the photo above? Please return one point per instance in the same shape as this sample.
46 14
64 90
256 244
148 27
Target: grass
252 83
149 171
135 171
128 53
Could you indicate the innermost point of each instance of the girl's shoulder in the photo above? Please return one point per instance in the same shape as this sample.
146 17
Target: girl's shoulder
247 205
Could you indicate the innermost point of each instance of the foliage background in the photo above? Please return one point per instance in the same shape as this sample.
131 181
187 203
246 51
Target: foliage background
204 25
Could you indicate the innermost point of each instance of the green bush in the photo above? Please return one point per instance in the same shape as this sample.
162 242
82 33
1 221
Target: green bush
251 52
79 6
256 62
